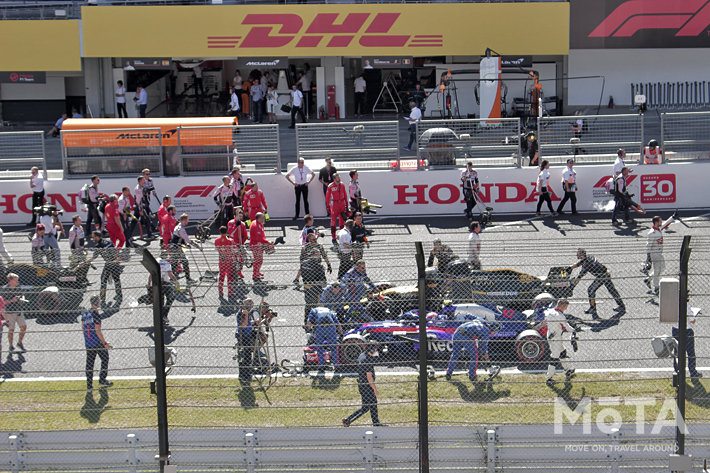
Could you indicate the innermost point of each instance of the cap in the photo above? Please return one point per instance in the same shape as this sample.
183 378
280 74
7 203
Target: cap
570 160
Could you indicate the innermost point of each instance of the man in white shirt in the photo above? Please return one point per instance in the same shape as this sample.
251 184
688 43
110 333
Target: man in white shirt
414 117
37 186
141 100
233 103
345 249
258 92
301 176
619 163
197 71
120 94
569 186
296 103
654 252
360 88
474 246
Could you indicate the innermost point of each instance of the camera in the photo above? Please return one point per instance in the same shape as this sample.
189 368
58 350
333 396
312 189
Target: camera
47 209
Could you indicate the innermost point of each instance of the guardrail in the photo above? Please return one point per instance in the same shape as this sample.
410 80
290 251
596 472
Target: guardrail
19 151
685 135
589 138
485 141
258 147
534 447
349 141
104 152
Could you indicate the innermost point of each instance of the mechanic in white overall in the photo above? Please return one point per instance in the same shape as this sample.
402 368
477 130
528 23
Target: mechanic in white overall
556 324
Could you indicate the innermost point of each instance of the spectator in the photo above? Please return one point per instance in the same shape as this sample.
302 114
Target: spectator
366 386
356 282
360 88
296 103
75 114
141 100
12 295
258 244
37 186
345 249
301 176
3 251
326 176
96 344
57 127
325 326
120 94
415 116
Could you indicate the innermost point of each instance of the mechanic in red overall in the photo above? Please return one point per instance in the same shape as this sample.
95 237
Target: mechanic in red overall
336 200
258 243
237 230
113 223
225 249
167 225
254 202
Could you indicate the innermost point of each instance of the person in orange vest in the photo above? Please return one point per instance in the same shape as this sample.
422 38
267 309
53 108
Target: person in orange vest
258 244
237 230
652 154
225 249
254 202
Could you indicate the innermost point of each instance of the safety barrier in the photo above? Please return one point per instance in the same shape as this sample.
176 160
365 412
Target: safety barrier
680 95
484 141
685 136
256 146
117 152
19 151
589 138
349 141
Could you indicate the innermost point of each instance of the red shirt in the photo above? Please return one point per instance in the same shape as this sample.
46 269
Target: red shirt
254 201
225 246
111 212
162 212
337 194
238 233
169 223
256 234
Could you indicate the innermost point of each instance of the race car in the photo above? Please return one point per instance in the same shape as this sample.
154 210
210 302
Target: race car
48 291
516 342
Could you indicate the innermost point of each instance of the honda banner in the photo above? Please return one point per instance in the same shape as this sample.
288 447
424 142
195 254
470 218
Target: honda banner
635 24
507 190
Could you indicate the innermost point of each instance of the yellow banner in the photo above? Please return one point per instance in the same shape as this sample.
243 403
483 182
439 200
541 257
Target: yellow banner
40 45
326 30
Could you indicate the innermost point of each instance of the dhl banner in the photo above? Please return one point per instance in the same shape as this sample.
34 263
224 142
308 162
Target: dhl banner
325 30
40 45
117 132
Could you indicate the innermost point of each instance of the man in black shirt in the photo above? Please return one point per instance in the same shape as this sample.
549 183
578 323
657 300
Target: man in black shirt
366 386
326 177
359 237
602 277
112 267
443 253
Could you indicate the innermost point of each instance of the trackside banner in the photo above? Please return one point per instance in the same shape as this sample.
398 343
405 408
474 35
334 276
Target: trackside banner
667 186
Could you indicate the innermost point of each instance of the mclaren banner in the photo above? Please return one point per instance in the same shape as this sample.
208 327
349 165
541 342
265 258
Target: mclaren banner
323 30
634 24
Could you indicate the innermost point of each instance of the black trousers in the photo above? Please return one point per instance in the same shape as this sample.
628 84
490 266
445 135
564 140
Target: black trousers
369 403
620 206
91 354
572 197
37 201
294 111
169 295
121 111
178 257
606 282
112 271
359 103
346 262
93 215
302 190
544 197
246 355
198 83
470 198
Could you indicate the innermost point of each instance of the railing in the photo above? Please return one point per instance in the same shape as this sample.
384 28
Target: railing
589 138
350 141
21 150
257 147
452 142
116 152
685 135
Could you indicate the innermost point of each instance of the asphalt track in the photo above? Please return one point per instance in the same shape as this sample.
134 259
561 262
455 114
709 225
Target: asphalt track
204 339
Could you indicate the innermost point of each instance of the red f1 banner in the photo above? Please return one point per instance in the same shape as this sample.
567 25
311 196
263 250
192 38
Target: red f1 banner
599 24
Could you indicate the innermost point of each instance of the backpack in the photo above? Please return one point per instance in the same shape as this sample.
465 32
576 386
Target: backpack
84 194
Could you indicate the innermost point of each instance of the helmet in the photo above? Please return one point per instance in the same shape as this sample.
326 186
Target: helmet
494 325
653 143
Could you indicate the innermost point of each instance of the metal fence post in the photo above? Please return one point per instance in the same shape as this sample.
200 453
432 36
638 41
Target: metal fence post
182 164
423 374
131 439
615 451
398 150
65 166
278 149
416 140
369 452
682 343
251 458
491 451
540 154
520 146
663 143
298 144
643 137
14 455
44 155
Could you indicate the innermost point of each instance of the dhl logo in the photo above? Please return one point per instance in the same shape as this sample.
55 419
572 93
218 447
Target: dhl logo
371 31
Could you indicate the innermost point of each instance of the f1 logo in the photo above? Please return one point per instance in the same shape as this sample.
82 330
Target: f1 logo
657 188
202 191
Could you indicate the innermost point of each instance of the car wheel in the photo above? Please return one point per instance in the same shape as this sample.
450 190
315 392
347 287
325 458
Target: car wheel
530 349
350 350
49 302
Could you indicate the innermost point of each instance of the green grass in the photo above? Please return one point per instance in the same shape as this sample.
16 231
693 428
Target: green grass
300 402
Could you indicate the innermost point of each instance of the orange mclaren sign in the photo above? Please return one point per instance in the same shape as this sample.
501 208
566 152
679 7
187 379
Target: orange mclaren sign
112 132
324 30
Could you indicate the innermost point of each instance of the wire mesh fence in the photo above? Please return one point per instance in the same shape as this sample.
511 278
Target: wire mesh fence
21 150
120 152
589 138
453 142
212 150
250 353
685 135
349 141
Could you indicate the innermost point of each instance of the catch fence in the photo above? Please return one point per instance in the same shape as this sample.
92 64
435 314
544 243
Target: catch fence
19 151
686 136
291 405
